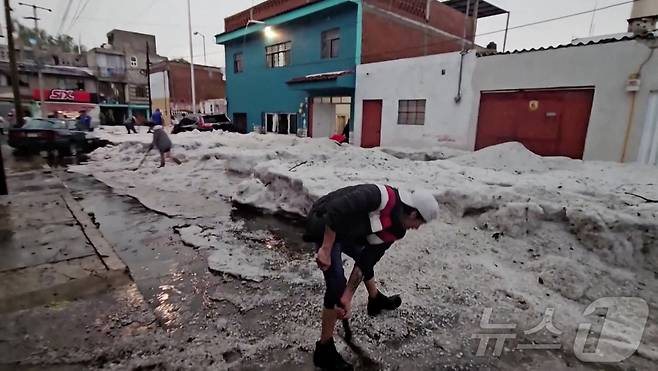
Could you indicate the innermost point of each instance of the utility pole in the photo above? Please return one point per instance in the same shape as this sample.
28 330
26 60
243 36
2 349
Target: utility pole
15 82
34 13
15 87
189 31
37 53
148 77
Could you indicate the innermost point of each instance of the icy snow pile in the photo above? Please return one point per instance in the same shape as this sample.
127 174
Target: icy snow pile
518 231
434 153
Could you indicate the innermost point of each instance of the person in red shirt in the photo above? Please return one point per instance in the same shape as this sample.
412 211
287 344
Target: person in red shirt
362 221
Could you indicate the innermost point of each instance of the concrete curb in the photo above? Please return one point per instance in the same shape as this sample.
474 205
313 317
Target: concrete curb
103 248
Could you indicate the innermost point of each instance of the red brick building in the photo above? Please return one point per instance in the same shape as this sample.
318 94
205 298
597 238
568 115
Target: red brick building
171 88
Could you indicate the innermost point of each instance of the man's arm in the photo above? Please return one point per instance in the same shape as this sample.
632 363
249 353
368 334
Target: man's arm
346 300
323 257
363 271
353 283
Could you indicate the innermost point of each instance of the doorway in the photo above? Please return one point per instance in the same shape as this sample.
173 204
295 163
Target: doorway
240 121
330 115
371 127
648 153
281 123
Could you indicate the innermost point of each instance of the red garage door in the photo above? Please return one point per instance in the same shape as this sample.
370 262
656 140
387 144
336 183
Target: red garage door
548 122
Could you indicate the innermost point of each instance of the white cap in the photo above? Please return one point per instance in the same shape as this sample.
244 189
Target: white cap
423 201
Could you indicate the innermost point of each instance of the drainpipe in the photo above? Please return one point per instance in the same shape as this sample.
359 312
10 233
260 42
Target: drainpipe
465 50
631 113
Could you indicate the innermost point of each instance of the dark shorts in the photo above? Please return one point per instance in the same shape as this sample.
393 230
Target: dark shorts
365 257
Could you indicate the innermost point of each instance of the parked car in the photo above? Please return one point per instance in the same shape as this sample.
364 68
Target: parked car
187 123
49 134
204 123
221 122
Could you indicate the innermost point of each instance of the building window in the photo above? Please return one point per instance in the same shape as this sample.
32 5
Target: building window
140 91
133 61
411 112
330 43
237 63
278 55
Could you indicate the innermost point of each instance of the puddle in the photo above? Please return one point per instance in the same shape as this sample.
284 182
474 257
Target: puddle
173 278
285 233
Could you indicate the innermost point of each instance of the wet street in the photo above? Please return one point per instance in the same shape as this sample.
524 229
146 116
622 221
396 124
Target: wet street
184 312
174 309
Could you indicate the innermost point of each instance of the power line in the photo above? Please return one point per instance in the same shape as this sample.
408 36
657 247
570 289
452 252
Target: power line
557 18
77 9
77 16
455 40
66 14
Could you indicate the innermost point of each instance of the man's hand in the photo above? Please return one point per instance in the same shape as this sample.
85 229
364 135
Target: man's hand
345 309
323 258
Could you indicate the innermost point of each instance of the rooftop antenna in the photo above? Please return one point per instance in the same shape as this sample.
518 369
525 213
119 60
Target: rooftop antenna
591 25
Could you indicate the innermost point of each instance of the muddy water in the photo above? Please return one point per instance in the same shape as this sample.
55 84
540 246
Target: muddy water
174 278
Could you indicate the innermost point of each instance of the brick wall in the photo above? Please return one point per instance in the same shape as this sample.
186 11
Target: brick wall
394 29
262 11
208 86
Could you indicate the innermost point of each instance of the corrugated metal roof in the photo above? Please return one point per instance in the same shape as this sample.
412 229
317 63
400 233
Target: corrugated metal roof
56 70
614 39
319 77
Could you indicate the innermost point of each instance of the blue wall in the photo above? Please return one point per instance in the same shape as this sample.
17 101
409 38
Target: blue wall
259 89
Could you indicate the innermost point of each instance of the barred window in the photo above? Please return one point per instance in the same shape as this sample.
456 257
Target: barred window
278 55
411 112
330 43
237 63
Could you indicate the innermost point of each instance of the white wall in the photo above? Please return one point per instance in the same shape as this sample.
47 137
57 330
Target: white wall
446 122
324 120
606 67
159 85
214 106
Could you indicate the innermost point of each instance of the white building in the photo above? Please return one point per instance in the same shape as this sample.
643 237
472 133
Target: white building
596 100
431 81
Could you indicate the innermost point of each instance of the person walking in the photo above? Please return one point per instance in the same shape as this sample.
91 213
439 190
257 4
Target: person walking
162 142
85 120
130 124
156 119
361 221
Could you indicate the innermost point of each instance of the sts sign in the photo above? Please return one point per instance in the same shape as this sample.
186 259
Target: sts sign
59 94
63 95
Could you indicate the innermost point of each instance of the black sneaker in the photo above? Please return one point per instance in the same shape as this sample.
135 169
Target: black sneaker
327 357
383 302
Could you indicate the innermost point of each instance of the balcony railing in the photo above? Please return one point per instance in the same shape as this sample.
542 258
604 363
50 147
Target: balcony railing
110 72
414 9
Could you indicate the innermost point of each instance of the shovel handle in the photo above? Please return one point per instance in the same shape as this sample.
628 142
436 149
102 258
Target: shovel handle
348 330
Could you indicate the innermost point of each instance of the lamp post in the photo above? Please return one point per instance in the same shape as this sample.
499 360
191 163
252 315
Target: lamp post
205 58
189 31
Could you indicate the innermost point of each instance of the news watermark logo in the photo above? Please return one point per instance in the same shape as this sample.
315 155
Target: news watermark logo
623 323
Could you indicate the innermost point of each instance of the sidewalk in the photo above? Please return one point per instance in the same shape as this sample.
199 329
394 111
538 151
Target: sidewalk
49 248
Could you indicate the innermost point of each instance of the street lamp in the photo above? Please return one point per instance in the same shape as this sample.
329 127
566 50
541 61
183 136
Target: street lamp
189 33
205 59
268 31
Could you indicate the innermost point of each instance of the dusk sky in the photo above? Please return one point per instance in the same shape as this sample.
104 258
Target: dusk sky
167 19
